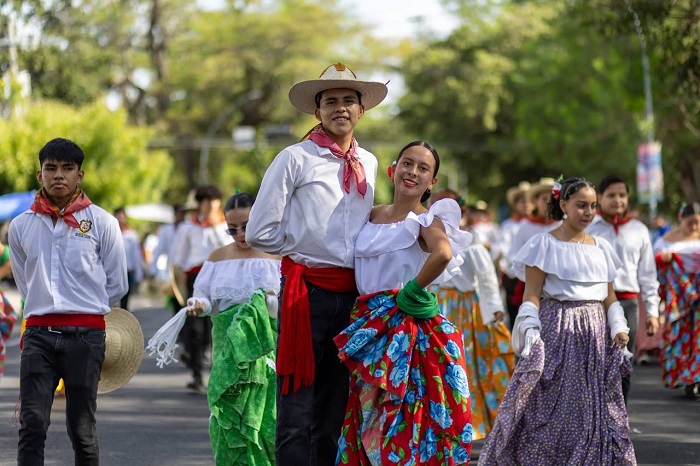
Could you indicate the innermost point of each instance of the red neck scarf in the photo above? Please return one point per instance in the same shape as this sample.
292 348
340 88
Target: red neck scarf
202 223
540 221
617 221
353 166
78 201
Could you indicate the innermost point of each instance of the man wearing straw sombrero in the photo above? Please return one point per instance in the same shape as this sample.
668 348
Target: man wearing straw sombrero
314 198
69 264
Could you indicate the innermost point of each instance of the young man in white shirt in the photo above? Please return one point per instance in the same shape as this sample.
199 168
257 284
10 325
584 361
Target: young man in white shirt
632 242
69 264
312 202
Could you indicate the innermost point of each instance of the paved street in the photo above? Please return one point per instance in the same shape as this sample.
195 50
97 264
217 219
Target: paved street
155 421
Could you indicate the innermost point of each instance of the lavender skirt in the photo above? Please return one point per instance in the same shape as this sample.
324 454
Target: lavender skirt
564 403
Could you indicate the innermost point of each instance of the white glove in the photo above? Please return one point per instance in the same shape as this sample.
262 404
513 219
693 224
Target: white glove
616 320
531 336
528 318
272 305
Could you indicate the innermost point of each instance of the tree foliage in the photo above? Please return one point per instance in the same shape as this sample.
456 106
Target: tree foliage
119 169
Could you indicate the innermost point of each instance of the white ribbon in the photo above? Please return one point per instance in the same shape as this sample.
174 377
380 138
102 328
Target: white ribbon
164 342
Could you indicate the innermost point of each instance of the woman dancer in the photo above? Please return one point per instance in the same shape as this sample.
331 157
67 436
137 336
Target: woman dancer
235 284
564 403
472 301
678 260
409 395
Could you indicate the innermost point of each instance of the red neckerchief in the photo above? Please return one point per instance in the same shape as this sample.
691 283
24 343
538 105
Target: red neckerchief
78 201
516 217
202 223
616 221
352 163
540 221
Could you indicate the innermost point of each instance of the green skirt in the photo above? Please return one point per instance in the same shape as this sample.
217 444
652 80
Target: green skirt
241 389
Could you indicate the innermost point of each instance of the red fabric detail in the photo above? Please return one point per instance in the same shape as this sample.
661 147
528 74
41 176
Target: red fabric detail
78 201
390 171
540 221
202 223
67 320
518 293
352 166
660 263
295 355
626 294
194 270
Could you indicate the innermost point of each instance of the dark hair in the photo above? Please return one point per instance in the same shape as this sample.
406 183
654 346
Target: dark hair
207 192
317 98
61 150
610 180
689 210
569 187
426 194
119 210
239 201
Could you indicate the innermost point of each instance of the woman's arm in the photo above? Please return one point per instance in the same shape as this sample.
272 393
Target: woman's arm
438 245
534 283
611 296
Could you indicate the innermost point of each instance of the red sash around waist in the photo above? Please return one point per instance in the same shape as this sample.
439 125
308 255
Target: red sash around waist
295 355
67 320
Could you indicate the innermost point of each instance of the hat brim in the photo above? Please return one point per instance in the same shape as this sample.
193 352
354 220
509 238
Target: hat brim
513 193
123 350
303 94
535 191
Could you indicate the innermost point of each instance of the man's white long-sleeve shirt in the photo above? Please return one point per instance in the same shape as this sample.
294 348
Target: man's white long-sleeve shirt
633 245
302 210
194 242
59 269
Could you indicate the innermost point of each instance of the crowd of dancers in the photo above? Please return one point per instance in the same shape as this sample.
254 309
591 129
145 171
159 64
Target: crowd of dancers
348 333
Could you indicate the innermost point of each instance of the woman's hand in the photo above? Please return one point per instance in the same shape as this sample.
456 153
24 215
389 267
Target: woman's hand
652 325
498 317
197 308
621 340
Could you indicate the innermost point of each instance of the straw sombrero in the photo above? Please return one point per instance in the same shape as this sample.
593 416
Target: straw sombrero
123 350
338 76
545 185
513 193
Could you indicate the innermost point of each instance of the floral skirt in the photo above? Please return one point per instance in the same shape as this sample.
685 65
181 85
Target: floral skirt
409 394
241 389
488 354
7 321
564 403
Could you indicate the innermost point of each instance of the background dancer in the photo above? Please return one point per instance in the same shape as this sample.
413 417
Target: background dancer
631 240
678 259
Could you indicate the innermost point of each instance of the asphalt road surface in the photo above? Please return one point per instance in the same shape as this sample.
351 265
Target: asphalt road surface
155 421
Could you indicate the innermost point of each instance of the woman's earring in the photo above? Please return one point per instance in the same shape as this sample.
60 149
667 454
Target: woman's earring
565 216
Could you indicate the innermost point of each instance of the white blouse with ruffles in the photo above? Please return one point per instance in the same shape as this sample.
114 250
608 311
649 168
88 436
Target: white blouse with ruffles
387 255
689 252
575 271
527 230
221 284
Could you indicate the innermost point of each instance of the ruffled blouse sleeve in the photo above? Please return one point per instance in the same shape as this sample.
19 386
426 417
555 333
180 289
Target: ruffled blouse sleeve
584 263
203 282
448 211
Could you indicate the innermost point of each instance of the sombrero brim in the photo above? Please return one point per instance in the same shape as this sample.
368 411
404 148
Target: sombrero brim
302 94
123 350
513 193
539 189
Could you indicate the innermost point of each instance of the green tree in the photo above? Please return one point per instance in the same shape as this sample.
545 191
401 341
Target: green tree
119 169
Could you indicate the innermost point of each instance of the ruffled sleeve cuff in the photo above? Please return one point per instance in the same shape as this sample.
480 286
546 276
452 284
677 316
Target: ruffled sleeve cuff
448 211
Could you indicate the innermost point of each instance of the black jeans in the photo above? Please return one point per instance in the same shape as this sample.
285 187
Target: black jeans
195 336
131 278
631 308
74 354
309 421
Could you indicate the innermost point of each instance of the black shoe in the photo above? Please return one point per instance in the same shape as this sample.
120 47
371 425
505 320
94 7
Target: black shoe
196 385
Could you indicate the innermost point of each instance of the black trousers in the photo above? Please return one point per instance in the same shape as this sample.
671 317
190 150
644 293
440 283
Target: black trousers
195 336
631 308
309 421
74 354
